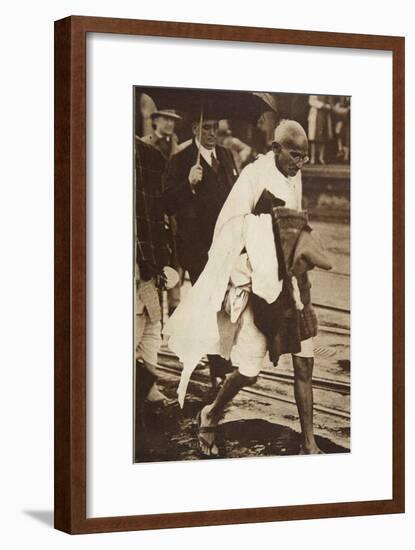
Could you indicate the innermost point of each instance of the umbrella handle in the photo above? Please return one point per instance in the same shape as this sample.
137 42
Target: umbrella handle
199 137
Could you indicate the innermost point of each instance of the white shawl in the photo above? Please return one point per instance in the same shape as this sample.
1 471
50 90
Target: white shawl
193 329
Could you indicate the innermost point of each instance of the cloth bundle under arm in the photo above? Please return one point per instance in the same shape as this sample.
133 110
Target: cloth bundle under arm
285 322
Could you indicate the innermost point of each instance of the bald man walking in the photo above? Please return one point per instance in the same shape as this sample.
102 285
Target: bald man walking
278 172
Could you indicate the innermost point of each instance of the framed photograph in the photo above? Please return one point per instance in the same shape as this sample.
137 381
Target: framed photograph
229 275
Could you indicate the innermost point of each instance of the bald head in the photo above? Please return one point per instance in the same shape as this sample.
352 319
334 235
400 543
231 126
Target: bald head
290 147
291 134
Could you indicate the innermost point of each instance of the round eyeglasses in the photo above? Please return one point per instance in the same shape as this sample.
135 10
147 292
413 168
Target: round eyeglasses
298 158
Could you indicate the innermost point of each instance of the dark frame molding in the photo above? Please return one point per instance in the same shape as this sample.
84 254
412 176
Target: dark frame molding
70 274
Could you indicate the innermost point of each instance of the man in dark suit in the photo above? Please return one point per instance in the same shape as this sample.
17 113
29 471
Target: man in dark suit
197 182
196 186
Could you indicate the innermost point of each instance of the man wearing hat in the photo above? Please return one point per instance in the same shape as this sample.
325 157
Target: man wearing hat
197 182
163 137
151 256
165 140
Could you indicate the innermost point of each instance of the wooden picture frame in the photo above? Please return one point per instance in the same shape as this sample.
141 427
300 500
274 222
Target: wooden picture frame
70 274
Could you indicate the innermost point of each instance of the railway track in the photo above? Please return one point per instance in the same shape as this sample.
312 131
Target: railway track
169 363
332 308
333 282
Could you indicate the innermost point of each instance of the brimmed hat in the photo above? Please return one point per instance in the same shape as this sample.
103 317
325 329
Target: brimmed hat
169 113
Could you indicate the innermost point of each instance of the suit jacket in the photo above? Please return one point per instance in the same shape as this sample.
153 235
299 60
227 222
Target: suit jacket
196 213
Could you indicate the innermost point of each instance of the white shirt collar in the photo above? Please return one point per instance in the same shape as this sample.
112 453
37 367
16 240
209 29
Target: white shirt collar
206 153
160 136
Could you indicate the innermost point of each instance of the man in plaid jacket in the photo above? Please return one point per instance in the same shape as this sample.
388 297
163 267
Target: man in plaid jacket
152 255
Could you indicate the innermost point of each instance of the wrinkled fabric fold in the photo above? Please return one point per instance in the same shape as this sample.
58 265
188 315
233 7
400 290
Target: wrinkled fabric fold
262 254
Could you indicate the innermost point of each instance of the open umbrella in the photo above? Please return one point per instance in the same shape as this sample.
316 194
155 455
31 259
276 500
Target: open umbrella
214 104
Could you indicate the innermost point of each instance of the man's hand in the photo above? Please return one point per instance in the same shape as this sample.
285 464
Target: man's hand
195 175
161 280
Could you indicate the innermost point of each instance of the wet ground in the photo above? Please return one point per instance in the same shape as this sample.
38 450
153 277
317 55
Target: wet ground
171 435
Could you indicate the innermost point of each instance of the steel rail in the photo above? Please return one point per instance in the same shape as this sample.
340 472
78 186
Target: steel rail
319 383
258 393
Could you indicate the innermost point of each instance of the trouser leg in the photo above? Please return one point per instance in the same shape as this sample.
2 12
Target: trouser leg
144 379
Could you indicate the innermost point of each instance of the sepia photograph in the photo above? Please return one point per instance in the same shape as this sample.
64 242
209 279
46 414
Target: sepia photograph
242 274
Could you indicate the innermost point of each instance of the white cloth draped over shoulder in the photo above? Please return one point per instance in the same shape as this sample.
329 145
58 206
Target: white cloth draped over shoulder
193 329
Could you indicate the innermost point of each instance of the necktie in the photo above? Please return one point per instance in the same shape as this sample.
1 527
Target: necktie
164 147
215 163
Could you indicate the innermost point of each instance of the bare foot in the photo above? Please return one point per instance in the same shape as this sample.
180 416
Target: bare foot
206 433
312 450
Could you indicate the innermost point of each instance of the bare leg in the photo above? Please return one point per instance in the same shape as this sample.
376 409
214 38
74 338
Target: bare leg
321 150
303 391
211 414
346 153
340 152
219 368
312 152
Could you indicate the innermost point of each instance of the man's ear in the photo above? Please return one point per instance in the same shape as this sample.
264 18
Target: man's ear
276 147
195 126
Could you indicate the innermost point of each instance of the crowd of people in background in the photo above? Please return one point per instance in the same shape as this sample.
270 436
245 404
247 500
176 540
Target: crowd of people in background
325 118
328 120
